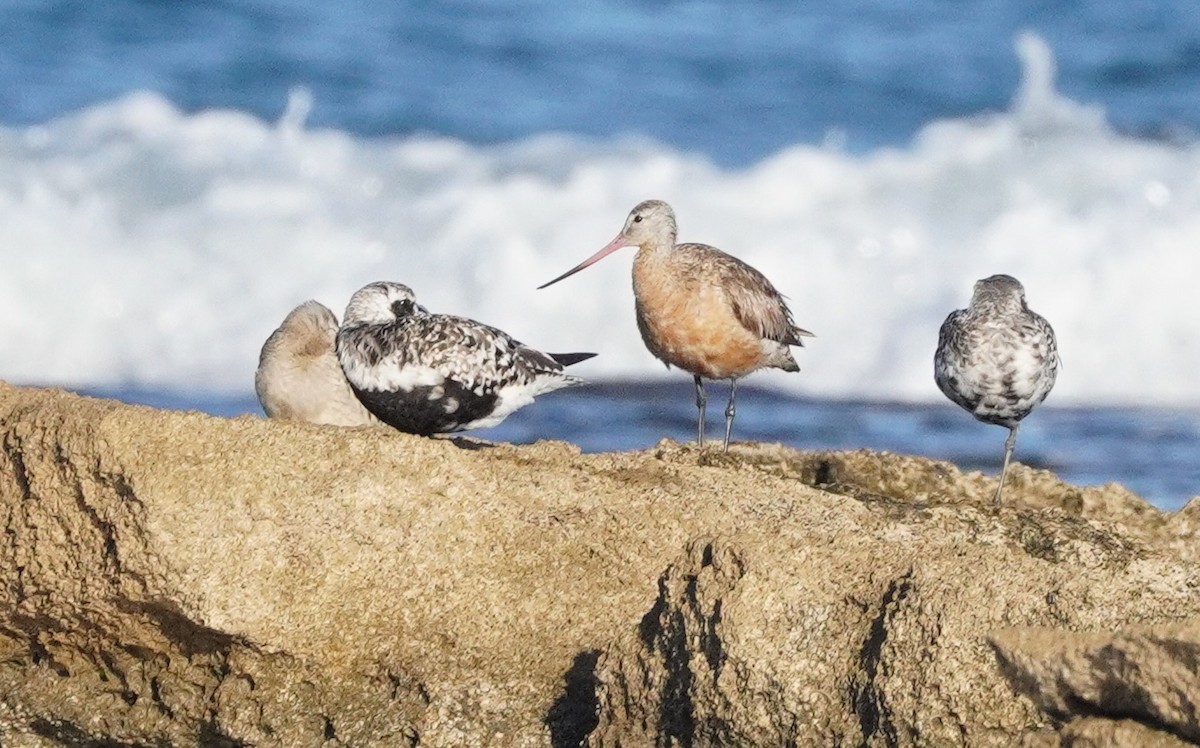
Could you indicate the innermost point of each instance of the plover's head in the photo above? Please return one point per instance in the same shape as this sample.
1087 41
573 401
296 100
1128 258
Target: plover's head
651 222
380 303
999 291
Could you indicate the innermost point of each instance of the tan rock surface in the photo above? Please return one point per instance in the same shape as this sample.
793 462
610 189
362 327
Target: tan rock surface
174 578
1098 732
1148 674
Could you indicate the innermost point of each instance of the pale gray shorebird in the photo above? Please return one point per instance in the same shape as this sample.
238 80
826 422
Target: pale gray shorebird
298 376
997 358
700 309
425 373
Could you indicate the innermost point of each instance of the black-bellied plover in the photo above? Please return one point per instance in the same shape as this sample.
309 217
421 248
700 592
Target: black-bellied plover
700 309
428 373
997 358
298 376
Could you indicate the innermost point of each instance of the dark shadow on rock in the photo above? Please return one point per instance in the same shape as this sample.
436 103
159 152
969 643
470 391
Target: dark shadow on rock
69 734
469 444
866 694
575 713
193 639
211 737
663 631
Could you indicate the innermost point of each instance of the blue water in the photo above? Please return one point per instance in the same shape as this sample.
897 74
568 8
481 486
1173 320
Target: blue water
165 206
1152 451
733 82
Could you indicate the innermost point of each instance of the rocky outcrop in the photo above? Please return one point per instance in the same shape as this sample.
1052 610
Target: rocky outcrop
1144 675
176 579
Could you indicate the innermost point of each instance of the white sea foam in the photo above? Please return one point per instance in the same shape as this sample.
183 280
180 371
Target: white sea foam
141 245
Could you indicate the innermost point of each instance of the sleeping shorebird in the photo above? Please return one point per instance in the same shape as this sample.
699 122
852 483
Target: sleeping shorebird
997 358
298 376
425 373
699 309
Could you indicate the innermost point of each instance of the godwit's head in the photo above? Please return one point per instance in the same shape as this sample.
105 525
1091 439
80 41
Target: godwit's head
309 319
380 303
650 223
998 292
307 331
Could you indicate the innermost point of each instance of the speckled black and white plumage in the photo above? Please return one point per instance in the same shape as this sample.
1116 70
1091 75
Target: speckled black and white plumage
997 358
428 373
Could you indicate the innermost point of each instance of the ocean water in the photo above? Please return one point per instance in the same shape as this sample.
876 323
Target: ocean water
1150 450
175 177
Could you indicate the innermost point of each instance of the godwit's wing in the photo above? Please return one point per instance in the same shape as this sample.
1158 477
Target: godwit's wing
755 302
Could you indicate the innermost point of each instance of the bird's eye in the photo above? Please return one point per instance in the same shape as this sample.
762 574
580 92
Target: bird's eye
402 307
637 219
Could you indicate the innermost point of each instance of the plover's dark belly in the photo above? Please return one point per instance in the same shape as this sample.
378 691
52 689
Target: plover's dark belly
427 410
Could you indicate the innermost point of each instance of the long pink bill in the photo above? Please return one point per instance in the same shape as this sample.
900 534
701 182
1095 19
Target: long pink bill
613 246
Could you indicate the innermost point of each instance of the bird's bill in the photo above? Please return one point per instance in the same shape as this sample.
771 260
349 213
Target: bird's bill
612 246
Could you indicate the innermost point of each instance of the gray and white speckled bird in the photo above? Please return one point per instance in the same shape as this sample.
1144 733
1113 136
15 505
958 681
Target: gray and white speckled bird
425 373
997 358
298 376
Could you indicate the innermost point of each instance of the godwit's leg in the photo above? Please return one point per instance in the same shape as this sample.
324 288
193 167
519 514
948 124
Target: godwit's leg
730 410
1009 445
701 401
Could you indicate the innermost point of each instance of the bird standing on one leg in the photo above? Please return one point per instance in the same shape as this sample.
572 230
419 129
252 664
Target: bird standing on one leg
997 358
700 309
425 373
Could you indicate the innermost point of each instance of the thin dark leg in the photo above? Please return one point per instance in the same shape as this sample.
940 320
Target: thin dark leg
701 401
730 410
1009 445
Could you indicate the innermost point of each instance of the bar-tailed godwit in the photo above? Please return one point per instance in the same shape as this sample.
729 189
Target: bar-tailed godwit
425 373
298 376
700 309
997 358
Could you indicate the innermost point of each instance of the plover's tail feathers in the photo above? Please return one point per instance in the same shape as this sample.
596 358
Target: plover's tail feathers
566 359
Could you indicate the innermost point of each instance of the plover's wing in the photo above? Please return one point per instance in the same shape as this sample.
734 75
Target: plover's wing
484 374
479 356
1041 334
952 361
952 334
1033 366
418 375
